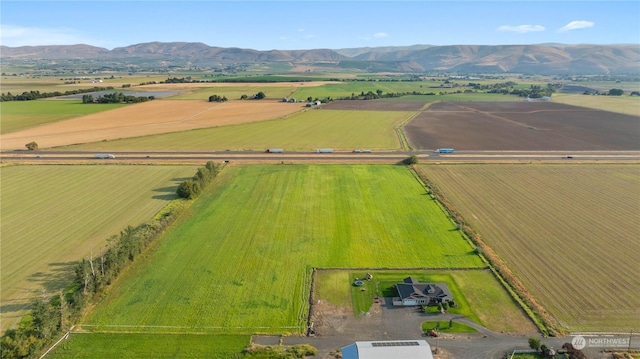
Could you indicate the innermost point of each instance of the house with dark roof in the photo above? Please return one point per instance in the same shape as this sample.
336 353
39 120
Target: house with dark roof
412 292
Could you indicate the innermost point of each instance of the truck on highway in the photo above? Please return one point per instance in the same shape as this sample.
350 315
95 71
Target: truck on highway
274 150
444 150
104 155
324 150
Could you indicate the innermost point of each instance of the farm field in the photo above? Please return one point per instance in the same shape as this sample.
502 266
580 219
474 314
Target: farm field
527 126
304 131
569 232
157 346
54 215
374 105
479 295
620 104
19 115
241 263
153 117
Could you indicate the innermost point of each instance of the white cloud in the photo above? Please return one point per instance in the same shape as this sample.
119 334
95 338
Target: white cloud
380 35
521 29
576 25
14 36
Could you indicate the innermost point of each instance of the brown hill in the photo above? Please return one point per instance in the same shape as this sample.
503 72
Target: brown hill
539 59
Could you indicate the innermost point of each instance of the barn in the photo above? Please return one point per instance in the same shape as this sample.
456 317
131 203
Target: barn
406 349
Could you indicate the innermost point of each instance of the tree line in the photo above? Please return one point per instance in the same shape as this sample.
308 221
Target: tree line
50 316
116 97
191 188
35 95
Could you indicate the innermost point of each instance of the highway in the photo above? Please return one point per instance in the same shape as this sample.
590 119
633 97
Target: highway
335 157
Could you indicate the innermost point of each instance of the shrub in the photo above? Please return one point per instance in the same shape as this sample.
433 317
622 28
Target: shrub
32 146
411 160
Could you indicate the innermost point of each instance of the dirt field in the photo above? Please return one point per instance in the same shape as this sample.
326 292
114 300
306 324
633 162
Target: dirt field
374 105
526 126
154 117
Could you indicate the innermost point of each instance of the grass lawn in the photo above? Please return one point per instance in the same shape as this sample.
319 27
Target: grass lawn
54 215
241 263
443 326
152 346
19 115
478 294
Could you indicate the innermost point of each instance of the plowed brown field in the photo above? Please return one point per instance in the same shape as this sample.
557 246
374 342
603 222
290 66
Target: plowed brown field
524 126
570 233
154 117
374 105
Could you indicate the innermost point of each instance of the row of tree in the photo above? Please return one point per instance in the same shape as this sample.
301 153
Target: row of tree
52 315
116 97
191 188
35 95
370 95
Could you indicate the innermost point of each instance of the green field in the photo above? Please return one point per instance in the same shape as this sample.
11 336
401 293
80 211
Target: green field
234 92
621 104
562 229
152 346
54 215
241 263
18 115
303 131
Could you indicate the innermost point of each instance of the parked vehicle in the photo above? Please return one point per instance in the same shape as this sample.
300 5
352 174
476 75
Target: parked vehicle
324 150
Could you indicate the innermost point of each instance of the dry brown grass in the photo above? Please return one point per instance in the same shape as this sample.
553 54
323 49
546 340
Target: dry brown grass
147 118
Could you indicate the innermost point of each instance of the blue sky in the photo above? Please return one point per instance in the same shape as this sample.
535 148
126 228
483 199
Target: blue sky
288 25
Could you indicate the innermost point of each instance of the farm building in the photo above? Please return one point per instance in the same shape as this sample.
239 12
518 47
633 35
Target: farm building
406 349
412 292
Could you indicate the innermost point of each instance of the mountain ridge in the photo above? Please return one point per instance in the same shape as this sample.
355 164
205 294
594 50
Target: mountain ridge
540 58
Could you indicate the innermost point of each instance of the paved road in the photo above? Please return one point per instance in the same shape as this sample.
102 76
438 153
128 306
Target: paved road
346 157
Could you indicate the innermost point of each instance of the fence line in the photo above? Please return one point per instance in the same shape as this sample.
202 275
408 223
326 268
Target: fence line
65 336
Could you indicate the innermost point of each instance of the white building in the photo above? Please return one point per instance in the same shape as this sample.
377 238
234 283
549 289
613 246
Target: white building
388 349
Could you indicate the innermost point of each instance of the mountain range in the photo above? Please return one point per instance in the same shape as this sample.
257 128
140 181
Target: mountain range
534 59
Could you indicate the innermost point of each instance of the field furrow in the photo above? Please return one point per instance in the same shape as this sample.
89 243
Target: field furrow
570 233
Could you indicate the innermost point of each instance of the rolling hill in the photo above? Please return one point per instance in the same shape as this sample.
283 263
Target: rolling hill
539 59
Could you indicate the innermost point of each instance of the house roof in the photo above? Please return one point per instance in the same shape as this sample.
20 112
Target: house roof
412 288
406 349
